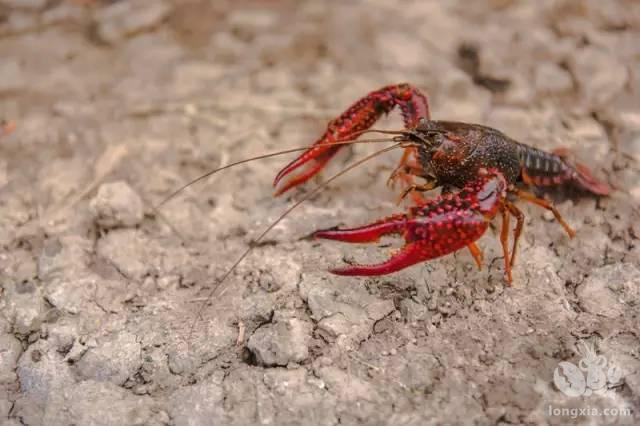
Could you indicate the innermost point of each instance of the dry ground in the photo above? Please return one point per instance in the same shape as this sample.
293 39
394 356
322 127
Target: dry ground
119 103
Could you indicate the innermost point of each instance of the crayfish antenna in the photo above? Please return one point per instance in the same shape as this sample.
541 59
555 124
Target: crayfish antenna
219 290
278 153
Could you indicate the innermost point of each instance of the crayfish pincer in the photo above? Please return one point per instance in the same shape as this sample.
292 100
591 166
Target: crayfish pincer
482 172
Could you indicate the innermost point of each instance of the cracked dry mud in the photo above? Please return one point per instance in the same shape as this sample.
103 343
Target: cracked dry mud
119 103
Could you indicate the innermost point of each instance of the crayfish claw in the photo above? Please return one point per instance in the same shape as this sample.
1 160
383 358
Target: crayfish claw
315 165
365 234
407 256
356 119
440 226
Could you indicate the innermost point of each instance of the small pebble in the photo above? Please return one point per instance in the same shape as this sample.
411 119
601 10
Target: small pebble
24 4
115 359
551 78
124 19
117 205
599 74
281 343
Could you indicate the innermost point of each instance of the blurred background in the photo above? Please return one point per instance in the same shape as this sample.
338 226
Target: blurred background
543 71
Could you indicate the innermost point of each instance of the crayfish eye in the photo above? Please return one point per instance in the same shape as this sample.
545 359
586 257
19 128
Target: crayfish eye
437 139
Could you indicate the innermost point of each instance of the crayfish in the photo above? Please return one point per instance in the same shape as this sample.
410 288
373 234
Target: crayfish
488 167
481 171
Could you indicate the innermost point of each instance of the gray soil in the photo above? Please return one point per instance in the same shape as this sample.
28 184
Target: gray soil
117 103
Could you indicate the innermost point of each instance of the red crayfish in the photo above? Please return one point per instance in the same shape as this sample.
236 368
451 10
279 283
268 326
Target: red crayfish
488 167
481 171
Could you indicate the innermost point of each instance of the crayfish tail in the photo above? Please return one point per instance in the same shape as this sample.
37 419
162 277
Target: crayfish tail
583 177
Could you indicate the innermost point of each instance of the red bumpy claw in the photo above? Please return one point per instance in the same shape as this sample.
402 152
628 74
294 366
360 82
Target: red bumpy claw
433 229
357 118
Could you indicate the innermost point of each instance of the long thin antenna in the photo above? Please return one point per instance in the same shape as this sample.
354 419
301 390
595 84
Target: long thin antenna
287 151
315 191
